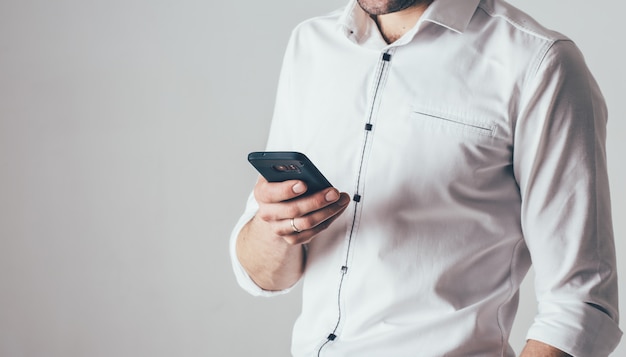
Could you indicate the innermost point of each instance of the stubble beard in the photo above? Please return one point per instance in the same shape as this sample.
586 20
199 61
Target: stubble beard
382 7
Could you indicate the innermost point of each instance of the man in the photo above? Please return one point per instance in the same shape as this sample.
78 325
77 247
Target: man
470 141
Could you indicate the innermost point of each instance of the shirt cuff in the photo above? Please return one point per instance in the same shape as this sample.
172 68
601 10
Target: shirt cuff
575 328
243 279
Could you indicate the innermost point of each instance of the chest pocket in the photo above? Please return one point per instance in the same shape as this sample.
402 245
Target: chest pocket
440 123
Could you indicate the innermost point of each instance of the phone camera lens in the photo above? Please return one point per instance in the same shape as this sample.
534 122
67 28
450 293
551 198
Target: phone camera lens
281 168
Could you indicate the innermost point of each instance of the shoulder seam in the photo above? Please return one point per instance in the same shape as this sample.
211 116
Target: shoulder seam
491 12
542 54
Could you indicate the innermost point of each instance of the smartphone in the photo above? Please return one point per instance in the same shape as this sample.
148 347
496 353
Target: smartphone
278 166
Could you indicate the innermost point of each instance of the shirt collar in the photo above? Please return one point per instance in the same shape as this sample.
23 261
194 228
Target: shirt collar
452 14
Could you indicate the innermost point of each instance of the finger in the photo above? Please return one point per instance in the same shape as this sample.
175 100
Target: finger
313 219
274 192
298 207
308 235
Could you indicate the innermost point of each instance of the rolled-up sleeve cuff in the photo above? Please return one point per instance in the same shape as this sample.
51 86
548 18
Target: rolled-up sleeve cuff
575 328
243 279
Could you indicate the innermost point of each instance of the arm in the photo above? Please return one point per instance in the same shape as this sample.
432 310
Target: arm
560 166
267 247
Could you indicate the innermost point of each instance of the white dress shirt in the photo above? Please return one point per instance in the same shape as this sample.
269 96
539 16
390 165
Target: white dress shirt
472 145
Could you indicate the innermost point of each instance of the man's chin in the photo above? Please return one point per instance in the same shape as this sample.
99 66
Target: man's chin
383 7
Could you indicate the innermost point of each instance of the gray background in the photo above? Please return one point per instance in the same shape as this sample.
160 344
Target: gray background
124 127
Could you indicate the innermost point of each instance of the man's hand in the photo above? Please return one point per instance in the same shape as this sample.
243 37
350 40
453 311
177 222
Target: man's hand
535 348
281 202
270 246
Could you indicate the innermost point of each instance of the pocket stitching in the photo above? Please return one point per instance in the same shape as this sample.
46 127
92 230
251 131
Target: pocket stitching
479 127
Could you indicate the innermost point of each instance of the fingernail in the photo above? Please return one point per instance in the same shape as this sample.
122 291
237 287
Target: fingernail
299 188
332 196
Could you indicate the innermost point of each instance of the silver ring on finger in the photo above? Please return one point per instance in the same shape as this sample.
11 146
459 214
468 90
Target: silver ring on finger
293 226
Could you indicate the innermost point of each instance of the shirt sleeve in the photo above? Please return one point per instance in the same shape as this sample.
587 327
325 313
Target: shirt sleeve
560 165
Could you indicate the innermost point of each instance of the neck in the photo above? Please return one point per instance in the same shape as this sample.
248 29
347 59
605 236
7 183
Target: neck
394 25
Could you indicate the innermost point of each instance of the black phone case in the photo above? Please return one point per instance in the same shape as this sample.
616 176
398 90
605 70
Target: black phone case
278 166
